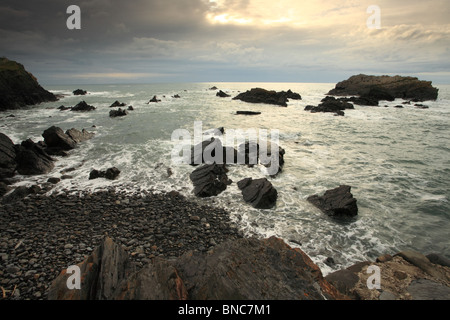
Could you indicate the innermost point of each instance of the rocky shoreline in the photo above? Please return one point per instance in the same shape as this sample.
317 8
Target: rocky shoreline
42 235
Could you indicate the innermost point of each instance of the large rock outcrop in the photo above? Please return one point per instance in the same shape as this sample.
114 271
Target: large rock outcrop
19 88
259 95
7 157
234 270
408 275
386 87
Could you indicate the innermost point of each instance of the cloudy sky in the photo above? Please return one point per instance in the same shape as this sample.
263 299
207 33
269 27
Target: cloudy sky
143 41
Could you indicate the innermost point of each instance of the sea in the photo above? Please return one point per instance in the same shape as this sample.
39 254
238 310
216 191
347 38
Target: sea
397 161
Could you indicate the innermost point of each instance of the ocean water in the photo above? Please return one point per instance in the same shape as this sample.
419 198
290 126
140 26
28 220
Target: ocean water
396 160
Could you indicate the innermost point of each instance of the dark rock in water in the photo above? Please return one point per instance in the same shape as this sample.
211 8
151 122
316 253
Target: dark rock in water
130 108
111 174
331 104
53 180
54 137
248 153
267 269
19 88
213 88
32 159
79 92
421 106
154 99
118 113
63 108
249 113
338 202
117 104
379 93
259 193
222 94
209 180
274 161
292 95
7 157
83 107
259 95
79 136
177 96
399 106
396 86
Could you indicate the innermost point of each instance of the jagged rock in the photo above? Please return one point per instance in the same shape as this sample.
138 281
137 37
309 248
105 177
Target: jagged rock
19 88
154 99
79 92
83 107
207 148
331 104
7 157
79 136
259 193
396 86
130 108
32 159
54 137
111 174
63 108
234 270
213 88
338 202
117 104
222 94
209 180
118 113
259 95
177 96
413 278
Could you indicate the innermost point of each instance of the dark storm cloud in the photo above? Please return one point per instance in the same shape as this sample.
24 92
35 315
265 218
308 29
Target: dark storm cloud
228 40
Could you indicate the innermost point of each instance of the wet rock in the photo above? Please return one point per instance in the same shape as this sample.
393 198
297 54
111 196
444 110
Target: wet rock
338 202
55 138
209 180
111 174
7 157
79 92
32 159
259 193
118 113
83 107
79 136
259 95
117 104
154 99
222 94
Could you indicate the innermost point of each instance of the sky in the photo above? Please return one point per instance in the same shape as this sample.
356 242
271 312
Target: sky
148 41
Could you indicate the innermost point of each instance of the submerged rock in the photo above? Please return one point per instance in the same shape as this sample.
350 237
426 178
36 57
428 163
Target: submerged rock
248 113
154 99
